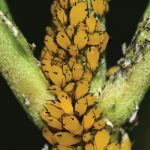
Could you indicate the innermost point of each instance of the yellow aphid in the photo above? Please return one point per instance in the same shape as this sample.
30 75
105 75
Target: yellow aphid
69 87
81 27
70 31
104 38
88 120
60 27
54 123
57 61
91 24
80 39
66 138
100 6
54 7
63 40
98 27
126 144
67 73
44 115
54 111
50 31
97 111
89 146
77 72
81 106
71 124
112 70
73 2
54 89
56 75
63 94
61 147
50 44
81 89
100 124
62 17
91 99
93 57
87 137
87 75
79 17
73 51
61 54
48 135
56 103
72 61
64 4
113 146
95 38
101 140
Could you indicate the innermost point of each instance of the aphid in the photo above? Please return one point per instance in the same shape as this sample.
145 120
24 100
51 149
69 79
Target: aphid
80 39
95 38
70 31
60 27
50 31
88 120
61 54
91 99
44 51
69 87
89 146
81 106
97 111
101 139
91 24
62 17
71 124
61 147
104 38
87 75
73 51
51 121
57 61
54 7
65 68
100 7
81 89
113 146
111 71
81 27
65 101
50 44
100 124
66 138
72 61
73 2
54 111
77 72
79 17
68 76
98 27
48 135
93 57
56 75
64 4
126 143
63 40
87 137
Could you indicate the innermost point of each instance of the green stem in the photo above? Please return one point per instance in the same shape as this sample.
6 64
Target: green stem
124 92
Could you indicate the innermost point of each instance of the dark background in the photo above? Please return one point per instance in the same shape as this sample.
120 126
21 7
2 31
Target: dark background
16 131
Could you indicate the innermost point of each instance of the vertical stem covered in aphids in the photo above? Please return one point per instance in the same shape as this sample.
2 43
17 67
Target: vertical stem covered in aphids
73 47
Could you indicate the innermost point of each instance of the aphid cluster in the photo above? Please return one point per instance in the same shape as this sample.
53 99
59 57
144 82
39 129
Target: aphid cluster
73 47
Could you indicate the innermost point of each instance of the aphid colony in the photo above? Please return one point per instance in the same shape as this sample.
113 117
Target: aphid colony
73 47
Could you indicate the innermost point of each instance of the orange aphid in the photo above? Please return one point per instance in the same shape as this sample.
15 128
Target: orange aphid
72 61
100 124
61 54
126 143
79 17
87 75
73 51
87 137
54 7
89 146
91 99
57 61
82 89
71 124
66 138
97 111
54 89
81 27
73 2
64 4
50 44
50 31
69 87
70 31
80 39
59 26
91 24
62 17
48 135
61 147
95 38
63 40
113 146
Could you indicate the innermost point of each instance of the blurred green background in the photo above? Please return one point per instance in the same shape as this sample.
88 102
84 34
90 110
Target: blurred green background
16 131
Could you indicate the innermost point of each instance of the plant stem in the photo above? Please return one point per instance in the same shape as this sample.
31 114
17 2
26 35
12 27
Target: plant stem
124 91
